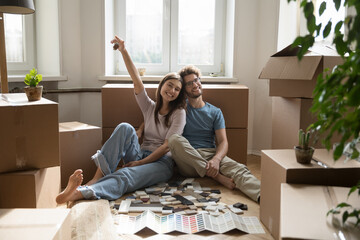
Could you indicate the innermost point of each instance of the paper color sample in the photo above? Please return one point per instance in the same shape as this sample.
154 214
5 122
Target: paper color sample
187 224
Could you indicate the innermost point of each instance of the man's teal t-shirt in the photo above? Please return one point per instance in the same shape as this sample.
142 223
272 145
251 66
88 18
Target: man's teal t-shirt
201 124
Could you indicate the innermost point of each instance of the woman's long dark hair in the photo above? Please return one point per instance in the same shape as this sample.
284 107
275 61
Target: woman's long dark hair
177 103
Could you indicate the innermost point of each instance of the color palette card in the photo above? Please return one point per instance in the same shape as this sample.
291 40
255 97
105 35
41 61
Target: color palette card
187 224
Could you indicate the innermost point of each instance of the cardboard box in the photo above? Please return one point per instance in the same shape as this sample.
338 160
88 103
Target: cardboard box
29 136
78 142
30 189
231 99
288 116
237 139
290 77
280 166
40 224
304 209
119 104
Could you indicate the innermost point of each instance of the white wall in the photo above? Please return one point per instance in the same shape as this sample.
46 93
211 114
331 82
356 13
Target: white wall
82 44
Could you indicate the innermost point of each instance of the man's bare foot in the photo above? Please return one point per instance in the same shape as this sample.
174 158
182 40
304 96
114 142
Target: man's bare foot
70 192
97 176
227 182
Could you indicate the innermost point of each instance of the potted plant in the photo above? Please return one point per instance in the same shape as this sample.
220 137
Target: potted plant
33 91
303 152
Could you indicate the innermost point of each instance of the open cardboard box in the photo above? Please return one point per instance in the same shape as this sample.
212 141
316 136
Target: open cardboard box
280 166
39 224
29 136
78 142
290 77
304 208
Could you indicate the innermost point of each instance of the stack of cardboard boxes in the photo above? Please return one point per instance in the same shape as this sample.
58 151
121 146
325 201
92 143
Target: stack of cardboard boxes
33 146
291 84
231 99
29 152
296 197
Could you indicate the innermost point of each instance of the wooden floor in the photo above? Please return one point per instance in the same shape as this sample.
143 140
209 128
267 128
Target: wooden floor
228 197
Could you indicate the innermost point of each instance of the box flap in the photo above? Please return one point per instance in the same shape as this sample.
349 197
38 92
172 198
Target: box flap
290 68
74 126
288 51
317 49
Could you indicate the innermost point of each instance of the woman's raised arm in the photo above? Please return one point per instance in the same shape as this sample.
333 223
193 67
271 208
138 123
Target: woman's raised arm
134 74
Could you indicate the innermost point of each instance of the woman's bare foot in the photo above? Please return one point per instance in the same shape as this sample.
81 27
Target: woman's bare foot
227 182
70 193
97 176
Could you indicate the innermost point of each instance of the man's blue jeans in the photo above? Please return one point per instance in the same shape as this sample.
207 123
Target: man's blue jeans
124 144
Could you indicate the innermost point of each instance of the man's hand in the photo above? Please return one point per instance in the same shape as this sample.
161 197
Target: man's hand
212 168
133 164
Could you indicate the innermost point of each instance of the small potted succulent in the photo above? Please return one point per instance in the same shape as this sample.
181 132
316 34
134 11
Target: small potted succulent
303 152
33 91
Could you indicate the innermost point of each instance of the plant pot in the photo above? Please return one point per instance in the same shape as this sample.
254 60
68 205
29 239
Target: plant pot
304 156
33 93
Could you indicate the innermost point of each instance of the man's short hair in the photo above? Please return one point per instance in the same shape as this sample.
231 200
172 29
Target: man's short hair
189 69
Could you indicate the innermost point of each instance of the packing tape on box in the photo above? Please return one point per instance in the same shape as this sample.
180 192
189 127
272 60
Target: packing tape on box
21 156
331 202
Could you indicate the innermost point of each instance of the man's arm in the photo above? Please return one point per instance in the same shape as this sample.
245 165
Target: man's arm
221 151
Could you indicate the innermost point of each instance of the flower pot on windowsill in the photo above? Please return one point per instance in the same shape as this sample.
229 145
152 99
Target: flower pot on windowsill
304 155
33 93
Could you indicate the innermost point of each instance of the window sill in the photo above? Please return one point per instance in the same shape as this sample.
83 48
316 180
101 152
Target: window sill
20 78
157 78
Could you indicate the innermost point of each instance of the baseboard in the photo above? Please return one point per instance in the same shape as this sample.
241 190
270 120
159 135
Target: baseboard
254 152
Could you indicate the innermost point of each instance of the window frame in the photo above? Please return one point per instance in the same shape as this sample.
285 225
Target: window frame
17 68
170 39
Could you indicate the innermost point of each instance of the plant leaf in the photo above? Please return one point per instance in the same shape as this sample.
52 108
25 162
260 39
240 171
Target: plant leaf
345 216
327 29
338 26
322 8
337 4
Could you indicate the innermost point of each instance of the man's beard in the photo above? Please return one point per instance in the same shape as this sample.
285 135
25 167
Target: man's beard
192 95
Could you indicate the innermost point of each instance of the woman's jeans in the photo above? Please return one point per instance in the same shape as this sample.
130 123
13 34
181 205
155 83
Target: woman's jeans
123 144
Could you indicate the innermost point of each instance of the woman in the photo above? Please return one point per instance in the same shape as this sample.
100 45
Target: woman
145 165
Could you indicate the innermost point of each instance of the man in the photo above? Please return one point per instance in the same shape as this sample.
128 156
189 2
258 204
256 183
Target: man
196 154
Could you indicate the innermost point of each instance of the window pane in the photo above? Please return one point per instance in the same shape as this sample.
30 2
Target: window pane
144 30
14 38
329 13
196 32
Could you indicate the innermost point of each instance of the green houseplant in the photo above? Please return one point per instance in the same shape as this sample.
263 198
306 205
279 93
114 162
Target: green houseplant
336 95
304 152
33 90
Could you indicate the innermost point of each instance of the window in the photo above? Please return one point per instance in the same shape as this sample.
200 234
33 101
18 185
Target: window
163 35
19 43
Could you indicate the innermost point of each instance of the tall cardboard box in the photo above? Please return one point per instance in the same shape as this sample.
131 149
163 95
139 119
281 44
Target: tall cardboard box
288 116
39 224
30 189
78 142
290 77
231 99
280 166
29 136
304 208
